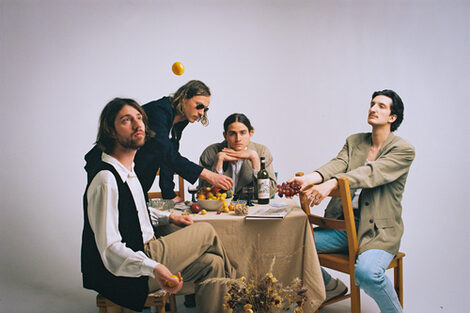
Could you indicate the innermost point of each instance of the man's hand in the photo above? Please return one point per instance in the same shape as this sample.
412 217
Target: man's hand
224 156
307 181
245 154
177 199
316 193
217 180
163 276
181 220
221 158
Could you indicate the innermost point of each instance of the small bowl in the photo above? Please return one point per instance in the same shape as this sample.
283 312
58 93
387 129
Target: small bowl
212 205
161 204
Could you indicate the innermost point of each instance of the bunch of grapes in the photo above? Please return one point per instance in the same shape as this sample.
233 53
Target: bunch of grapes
288 189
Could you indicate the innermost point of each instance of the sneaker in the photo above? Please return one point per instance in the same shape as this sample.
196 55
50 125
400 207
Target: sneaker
337 289
190 300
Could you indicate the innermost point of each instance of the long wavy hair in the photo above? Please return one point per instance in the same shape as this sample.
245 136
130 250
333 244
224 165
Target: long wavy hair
106 138
187 91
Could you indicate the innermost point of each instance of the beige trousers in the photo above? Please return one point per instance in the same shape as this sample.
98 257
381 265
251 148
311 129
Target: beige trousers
197 252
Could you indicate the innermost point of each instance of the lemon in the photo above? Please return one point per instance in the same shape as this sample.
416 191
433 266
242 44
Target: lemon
170 284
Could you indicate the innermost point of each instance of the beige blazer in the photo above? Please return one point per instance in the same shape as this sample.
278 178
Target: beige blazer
382 182
246 177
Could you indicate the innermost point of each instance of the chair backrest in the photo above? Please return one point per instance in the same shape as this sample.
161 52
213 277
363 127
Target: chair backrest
179 191
347 224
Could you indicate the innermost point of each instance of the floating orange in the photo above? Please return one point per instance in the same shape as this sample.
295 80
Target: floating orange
178 68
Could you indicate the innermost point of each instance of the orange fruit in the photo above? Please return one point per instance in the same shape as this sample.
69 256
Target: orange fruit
170 284
178 68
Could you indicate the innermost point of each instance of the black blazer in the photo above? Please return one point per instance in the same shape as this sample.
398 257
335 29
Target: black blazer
161 151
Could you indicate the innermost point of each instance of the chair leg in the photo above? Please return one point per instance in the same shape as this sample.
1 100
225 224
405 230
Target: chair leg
398 280
172 303
161 309
118 309
355 295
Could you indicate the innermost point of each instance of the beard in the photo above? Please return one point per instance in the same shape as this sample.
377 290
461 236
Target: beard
131 143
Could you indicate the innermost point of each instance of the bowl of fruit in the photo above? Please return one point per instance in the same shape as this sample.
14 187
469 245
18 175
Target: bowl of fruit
213 198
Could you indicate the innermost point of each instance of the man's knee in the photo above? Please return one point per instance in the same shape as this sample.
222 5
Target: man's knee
204 228
213 264
366 275
205 232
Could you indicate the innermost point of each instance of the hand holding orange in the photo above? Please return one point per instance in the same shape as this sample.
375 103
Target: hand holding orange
171 284
178 68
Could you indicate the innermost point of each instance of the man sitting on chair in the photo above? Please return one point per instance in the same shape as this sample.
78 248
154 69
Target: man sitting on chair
377 166
119 249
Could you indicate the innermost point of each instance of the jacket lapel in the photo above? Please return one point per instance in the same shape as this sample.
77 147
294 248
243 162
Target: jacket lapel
360 152
386 144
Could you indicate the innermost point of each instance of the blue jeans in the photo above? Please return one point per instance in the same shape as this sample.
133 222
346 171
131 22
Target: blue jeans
369 271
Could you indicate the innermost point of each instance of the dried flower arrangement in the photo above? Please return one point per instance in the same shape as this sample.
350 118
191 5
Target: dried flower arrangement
241 209
262 295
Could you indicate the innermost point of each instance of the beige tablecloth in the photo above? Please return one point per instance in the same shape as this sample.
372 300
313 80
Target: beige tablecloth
290 240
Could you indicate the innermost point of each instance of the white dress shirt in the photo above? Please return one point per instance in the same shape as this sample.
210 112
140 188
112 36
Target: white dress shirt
103 214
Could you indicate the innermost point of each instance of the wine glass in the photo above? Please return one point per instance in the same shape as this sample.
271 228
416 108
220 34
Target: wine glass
249 191
192 189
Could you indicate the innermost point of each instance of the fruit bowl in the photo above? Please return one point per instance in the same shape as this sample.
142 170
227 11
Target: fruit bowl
212 205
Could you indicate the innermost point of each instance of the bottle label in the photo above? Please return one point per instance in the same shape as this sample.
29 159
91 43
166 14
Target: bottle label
263 188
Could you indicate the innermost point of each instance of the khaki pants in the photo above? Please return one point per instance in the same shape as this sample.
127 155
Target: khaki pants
197 252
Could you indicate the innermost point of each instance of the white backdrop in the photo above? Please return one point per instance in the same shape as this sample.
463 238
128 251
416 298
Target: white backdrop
302 71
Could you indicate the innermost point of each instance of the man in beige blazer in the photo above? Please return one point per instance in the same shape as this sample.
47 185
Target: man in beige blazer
377 166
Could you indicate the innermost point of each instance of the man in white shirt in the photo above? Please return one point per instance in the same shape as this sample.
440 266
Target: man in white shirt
119 249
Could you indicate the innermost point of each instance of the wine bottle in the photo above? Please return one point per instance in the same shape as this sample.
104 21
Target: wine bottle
263 183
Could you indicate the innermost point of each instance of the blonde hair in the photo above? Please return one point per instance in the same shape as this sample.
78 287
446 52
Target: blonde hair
187 91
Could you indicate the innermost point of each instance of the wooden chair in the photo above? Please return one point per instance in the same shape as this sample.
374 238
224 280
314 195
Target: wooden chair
345 262
179 191
156 299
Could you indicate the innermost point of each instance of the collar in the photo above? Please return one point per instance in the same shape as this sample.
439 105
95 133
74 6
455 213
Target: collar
123 172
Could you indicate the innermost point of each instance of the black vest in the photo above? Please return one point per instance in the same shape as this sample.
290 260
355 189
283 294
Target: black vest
130 292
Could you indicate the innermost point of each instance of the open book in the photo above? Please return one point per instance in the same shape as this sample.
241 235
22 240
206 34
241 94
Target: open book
268 212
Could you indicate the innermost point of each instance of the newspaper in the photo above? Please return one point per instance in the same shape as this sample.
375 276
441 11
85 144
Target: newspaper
268 213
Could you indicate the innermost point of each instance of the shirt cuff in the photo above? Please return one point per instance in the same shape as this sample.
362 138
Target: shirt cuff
148 265
164 218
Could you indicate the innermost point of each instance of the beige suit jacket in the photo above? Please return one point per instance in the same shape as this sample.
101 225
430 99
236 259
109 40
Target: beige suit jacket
382 182
208 160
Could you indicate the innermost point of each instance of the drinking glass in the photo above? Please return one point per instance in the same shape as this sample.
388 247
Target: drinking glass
248 191
192 189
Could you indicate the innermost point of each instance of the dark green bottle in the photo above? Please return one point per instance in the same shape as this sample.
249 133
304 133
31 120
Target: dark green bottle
263 183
